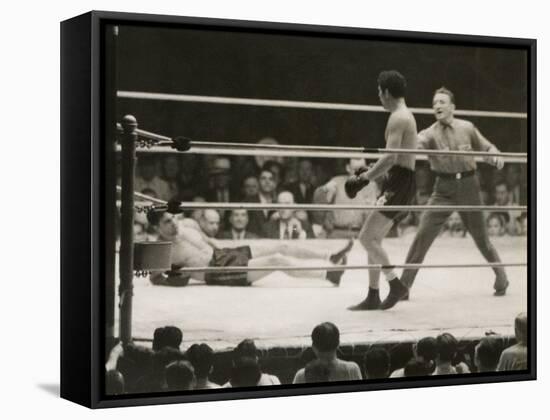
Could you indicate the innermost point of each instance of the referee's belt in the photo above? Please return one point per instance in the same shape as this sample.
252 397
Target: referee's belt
455 175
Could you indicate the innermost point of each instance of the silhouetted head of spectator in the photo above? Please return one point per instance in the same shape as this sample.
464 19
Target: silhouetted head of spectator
180 376
277 169
238 219
221 172
170 167
317 371
502 195
163 224
267 183
201 357
114 382
487 353
164 357
285 197
210 222
251 186
391 85
425 350
521 328
354 164
168 336
245 372
136 362
447 347
246 348
305 171
147 166
377 363
495 225
416 368
325 338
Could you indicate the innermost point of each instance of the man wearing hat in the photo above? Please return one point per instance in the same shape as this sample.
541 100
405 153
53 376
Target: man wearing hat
220 186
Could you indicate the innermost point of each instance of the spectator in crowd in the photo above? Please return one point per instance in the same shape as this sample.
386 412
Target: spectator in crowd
322 172
209 222
155 381
317 371
180 376
454 227
343 223
114 382
415 368
220 179
168 336
242 167
487 353
147 178
325 340
238 223
133 362
266 195
425 353
503 197
170 173
245 373
250 187
496 224
515 357
447 349
376 363
201 357
303 188
247 349
278 171
284 224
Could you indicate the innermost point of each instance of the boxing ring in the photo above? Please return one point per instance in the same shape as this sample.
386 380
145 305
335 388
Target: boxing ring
280 311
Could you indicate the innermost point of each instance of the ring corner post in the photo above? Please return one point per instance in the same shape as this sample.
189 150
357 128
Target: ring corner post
126 265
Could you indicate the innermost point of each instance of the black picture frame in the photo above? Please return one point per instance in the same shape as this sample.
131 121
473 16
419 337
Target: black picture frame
87 197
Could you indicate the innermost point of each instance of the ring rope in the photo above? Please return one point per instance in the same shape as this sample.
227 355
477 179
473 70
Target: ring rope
348 267
156 143
224 100
276 206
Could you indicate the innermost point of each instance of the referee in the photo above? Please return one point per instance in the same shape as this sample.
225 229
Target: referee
456 184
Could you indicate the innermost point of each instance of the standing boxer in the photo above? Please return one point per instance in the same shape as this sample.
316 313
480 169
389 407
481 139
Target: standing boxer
456 184
397 187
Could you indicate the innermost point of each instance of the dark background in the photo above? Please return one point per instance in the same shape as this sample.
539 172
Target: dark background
304 68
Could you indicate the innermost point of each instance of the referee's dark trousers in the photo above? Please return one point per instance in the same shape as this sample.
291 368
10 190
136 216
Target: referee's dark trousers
450 190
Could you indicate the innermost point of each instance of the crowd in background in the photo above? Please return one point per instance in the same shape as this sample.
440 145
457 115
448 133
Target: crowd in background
232 179
165 366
